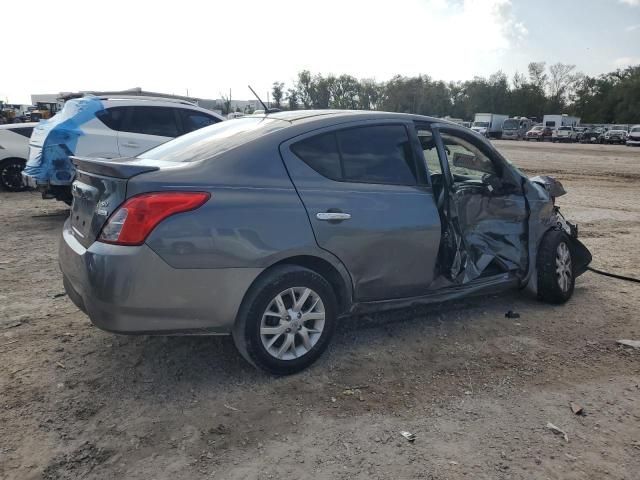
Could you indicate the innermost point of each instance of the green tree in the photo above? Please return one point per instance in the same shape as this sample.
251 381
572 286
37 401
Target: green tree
277 93
292 98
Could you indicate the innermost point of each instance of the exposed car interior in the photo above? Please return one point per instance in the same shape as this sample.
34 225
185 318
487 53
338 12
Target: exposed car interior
473 245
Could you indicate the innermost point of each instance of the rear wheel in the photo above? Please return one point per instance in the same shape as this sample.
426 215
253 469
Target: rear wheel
286 320
11 174
556 278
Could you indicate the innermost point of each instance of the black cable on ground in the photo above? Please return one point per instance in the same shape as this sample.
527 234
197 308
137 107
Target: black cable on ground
613 275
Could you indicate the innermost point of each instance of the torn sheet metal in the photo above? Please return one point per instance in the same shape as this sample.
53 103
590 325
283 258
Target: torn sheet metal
552 185
54 140
488 230
540 193
504 232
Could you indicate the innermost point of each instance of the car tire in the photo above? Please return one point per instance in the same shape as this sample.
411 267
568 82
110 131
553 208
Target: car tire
295 343
10 174
556 273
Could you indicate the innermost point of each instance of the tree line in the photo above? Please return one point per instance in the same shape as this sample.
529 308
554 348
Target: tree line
609 98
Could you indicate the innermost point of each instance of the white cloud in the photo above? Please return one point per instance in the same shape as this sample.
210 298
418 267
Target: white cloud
209 47
626 62
632 28
633 3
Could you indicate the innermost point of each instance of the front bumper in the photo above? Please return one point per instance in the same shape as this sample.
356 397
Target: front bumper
132 290
633 141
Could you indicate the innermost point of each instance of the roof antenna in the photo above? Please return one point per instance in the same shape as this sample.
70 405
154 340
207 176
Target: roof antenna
266 110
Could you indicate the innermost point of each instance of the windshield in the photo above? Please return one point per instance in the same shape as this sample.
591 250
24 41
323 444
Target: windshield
619 127
537 129
214 139
511 124
635 129
565 128
481 124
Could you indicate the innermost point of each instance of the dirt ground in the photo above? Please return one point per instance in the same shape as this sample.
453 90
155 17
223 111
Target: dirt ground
476 388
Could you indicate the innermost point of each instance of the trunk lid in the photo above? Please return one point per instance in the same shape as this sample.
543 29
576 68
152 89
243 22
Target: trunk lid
100 187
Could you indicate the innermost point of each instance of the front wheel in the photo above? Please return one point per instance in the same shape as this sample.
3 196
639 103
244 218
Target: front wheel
556 275
11 174
287 320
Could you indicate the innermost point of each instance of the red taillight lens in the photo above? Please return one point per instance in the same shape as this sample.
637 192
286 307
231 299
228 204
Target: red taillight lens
134 220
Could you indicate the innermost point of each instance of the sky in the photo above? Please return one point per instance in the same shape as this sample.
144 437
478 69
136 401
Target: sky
206 48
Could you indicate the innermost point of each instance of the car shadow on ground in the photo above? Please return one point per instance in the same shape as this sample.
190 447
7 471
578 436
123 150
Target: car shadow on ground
160 365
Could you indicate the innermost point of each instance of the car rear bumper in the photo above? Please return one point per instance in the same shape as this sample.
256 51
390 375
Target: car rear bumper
132 290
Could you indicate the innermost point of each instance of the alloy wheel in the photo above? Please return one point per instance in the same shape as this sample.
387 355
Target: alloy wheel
11 175
564 270
292 323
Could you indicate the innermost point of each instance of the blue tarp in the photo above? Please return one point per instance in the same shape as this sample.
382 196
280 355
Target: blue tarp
54 140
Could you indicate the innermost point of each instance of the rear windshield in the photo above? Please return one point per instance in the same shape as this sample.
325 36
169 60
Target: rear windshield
213 140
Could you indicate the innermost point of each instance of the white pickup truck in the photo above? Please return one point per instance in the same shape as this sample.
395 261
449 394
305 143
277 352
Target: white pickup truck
564 134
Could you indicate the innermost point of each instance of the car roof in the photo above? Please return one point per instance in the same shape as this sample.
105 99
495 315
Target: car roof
125 101
325 116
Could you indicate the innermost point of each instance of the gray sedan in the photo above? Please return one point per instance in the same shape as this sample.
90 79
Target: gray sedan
275 227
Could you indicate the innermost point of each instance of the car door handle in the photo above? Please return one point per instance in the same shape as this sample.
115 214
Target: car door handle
333 216
130 144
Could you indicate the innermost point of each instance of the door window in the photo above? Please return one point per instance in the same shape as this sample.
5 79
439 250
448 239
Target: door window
429 149
466 161
160 121
376 154
192 120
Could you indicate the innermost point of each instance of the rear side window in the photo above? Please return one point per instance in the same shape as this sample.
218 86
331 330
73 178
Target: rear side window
192 120
113 117
213 140
321 154
24 131
377 154
160 121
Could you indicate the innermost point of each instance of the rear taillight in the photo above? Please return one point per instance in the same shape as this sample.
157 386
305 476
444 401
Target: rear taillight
134 220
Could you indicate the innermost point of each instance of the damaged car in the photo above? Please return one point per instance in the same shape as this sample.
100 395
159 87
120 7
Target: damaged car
273 228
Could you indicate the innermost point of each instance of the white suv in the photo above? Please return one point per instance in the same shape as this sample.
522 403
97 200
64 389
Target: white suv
14 150
106 127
